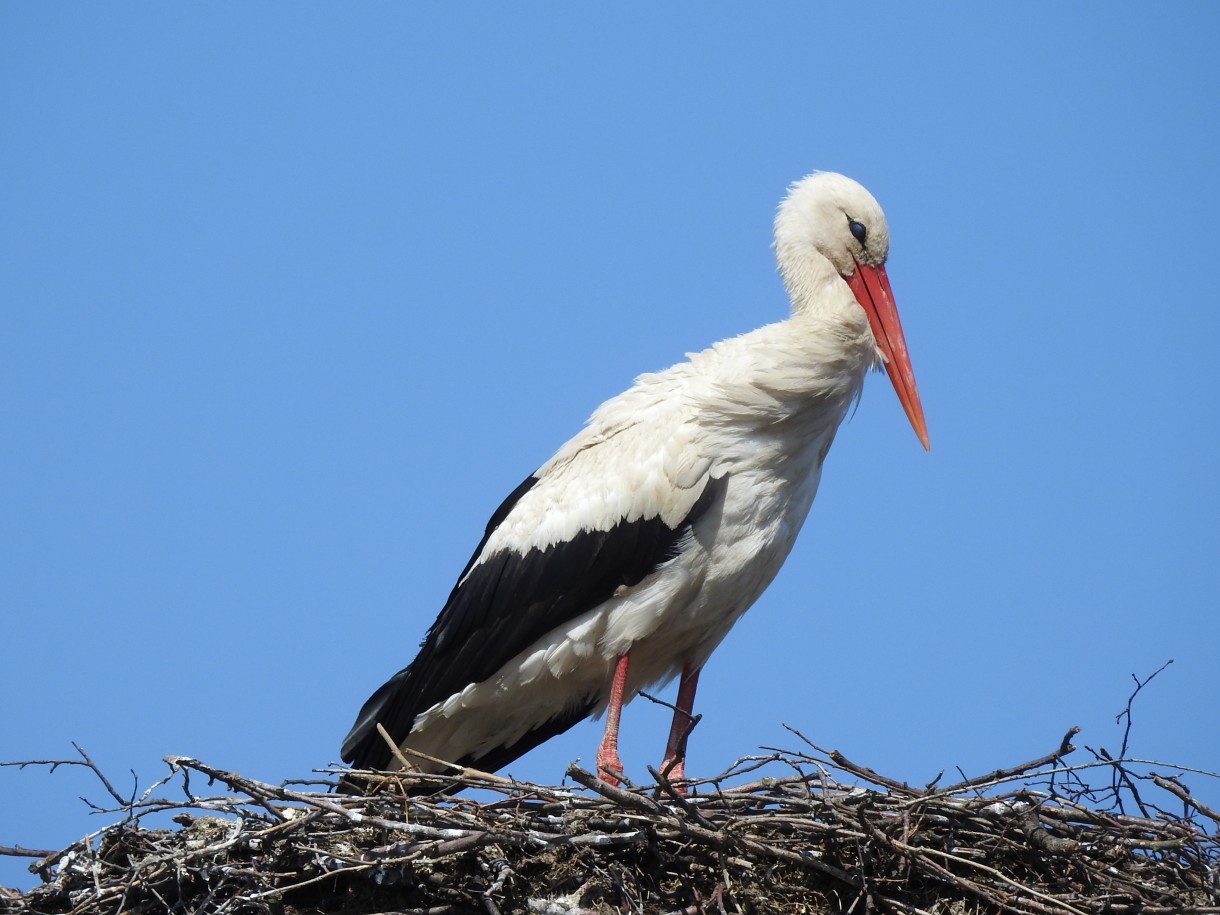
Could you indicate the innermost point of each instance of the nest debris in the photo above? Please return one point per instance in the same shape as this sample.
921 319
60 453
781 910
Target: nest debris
1041 837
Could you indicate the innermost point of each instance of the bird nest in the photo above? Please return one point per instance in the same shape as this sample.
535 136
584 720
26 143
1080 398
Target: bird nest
820 833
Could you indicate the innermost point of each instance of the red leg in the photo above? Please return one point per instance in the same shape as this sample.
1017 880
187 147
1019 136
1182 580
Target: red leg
675 754
609 766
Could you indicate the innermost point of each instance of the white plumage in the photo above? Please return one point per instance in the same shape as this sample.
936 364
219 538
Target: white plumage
625 559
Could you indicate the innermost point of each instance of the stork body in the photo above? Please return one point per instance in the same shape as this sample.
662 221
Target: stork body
624 560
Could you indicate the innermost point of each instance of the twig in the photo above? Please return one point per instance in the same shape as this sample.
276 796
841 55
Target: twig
1119 779
17 851
1126 712
1065 747
462 772
848 766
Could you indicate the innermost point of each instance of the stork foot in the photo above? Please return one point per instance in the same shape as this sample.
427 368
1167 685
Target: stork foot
674 771
609 766
673 766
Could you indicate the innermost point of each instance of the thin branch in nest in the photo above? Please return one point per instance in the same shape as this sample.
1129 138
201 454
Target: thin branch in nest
16 851
86 761
1118 781
1126 712
1002 775
842 762
409 770
1180 791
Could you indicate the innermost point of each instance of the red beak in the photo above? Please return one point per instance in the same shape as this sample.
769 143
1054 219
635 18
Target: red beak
872 290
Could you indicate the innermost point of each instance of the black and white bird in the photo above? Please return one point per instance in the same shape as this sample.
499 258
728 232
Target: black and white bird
625 559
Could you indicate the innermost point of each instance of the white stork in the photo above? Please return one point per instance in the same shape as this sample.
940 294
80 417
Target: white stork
624 560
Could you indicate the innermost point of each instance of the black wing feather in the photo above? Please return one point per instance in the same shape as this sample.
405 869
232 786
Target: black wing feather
501 607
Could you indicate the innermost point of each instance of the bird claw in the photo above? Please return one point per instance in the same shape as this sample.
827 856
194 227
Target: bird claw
611 775
610 769
674 772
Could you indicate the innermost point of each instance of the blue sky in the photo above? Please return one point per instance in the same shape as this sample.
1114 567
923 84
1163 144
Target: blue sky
295 294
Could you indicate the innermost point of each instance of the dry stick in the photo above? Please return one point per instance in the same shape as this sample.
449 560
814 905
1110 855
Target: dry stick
1119 778
18 852
620 796
768 784
864 772
325 875
85 761
258 792
461 771
1041 838
860 771
1175 789
105 781
53 763
395 750
1065 747
1130 701
671 790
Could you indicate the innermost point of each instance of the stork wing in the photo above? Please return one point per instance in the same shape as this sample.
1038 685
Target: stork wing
543 561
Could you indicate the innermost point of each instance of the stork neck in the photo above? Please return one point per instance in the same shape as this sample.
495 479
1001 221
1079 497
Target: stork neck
813 284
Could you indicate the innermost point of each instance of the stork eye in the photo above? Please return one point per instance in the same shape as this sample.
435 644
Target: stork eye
858 230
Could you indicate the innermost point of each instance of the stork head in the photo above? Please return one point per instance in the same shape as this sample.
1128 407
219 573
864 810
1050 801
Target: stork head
830 238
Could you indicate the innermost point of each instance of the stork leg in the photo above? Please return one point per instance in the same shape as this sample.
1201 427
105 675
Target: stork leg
609 766
673 766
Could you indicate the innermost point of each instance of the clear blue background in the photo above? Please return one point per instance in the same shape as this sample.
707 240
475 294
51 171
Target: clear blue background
294 294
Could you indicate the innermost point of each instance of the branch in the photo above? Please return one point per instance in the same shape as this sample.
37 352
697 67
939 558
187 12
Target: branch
1002 775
